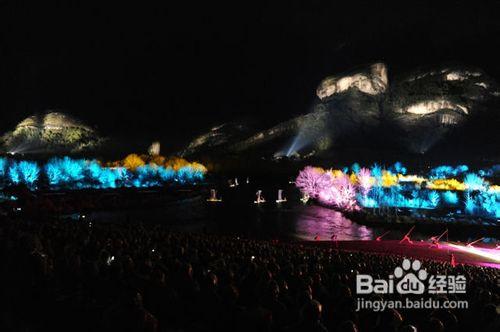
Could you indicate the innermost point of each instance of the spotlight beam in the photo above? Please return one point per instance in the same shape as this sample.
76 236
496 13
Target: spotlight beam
482 252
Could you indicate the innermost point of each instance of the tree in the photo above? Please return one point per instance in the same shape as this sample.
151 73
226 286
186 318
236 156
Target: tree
132 161
312 181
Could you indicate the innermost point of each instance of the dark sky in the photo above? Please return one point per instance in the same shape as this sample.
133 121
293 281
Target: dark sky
169 69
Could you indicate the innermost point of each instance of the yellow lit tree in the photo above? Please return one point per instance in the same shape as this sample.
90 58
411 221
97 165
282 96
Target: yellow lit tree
176 163
132 161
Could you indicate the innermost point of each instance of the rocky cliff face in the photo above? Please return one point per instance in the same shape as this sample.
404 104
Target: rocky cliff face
218 138
413 112
372 81
49 133
427 104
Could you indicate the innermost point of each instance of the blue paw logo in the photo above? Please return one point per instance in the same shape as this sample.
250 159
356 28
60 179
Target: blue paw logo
412 276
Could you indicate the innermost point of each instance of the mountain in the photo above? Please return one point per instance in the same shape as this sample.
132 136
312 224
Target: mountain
51 132
414 112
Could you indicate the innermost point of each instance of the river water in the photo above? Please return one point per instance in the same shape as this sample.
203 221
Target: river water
238 215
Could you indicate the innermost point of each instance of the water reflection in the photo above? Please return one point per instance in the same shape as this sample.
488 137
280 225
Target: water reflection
318 221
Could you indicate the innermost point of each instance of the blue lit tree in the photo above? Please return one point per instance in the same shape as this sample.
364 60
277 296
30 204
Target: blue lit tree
470 205
73 168
450 198
147 176
474 182
376 171
29 172
488 203
166 174
355 168
398 168
434 198
80 173
13 173
53 173
3 166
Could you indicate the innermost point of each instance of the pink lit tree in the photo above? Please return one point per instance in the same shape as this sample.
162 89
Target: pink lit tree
341 194
365 181
312 181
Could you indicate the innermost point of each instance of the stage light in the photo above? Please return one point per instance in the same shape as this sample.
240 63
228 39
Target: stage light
483 252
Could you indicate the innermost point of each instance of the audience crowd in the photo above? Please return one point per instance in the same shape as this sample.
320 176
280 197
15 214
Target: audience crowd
83 276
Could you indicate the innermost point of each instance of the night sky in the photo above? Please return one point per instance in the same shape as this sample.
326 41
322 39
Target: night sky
168 70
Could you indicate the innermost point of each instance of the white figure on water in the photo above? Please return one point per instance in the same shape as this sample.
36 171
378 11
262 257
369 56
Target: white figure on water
280 199
259 199
213 196
304 198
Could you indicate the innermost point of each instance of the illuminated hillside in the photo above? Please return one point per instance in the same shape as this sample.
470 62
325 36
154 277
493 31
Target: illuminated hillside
50 132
